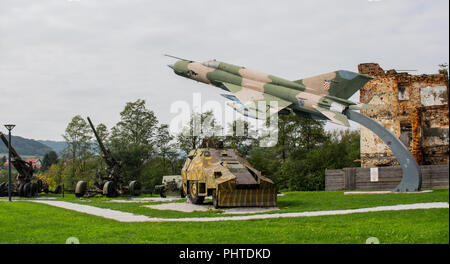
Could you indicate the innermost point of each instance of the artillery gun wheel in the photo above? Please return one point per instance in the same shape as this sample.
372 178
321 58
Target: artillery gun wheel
34 189
20 190
3 189
109 189
80 189
193 193
40 186
135 188
27 189
162 194
57 189
4 186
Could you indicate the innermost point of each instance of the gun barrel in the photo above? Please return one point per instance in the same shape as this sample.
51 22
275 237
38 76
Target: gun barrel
13 151
113 167
100 142
25 169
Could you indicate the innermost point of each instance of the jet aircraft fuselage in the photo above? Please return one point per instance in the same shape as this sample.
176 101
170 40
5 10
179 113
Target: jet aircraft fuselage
321 97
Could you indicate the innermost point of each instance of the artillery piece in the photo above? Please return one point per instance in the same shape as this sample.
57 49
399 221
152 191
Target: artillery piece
110 185
171 185
26 185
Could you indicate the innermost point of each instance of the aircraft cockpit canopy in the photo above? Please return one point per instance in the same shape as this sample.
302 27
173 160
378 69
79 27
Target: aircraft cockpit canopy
212 64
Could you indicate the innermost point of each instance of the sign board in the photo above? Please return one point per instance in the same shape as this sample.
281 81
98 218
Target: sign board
373 174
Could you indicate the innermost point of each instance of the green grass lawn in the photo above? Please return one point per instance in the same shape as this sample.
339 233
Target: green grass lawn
26 222
290 202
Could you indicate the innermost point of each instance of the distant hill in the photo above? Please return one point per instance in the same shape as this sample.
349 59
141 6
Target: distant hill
26 147
57 146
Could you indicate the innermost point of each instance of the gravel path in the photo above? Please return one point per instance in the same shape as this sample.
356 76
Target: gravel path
250 210
92 210
188 207
384 192
146 200
15 198
181 207
129 217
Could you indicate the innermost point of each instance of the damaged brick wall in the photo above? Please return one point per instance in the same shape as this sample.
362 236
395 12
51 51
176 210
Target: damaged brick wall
435 134
413 107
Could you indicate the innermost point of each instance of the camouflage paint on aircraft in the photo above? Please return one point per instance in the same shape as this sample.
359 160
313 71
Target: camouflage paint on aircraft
322 97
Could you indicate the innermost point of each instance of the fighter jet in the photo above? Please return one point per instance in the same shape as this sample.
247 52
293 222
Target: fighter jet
322 97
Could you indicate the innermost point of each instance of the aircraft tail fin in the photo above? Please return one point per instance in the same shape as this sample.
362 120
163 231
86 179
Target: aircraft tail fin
342 84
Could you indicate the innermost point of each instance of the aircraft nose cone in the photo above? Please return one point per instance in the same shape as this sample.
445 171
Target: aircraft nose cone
170 66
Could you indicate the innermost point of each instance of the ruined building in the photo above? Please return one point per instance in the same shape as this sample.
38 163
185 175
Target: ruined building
413 107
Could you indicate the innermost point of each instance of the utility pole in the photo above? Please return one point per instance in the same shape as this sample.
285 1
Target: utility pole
9 127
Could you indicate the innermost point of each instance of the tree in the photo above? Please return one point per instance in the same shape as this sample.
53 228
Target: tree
55 175
133 140
176 162
78 139
297 136
137 124
242 137
306 172
49 159
103 134
344 149
164 144
200 126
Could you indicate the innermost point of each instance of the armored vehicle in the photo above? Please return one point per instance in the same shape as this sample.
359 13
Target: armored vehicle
111 185
26 185
223 174
171 185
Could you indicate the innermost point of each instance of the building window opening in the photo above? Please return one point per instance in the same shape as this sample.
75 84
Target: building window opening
406 134
402 93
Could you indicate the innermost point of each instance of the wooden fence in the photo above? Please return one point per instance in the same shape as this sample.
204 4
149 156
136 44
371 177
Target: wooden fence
383 178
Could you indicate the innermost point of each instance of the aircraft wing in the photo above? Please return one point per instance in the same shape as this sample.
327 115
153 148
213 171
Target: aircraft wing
231 97
257 101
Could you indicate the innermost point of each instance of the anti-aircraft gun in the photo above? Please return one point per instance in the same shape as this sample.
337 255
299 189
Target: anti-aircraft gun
26 185
112 184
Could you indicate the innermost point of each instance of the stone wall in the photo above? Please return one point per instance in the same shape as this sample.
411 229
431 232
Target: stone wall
413 107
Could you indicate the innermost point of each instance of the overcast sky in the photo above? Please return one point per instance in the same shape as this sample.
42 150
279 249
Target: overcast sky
61 58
